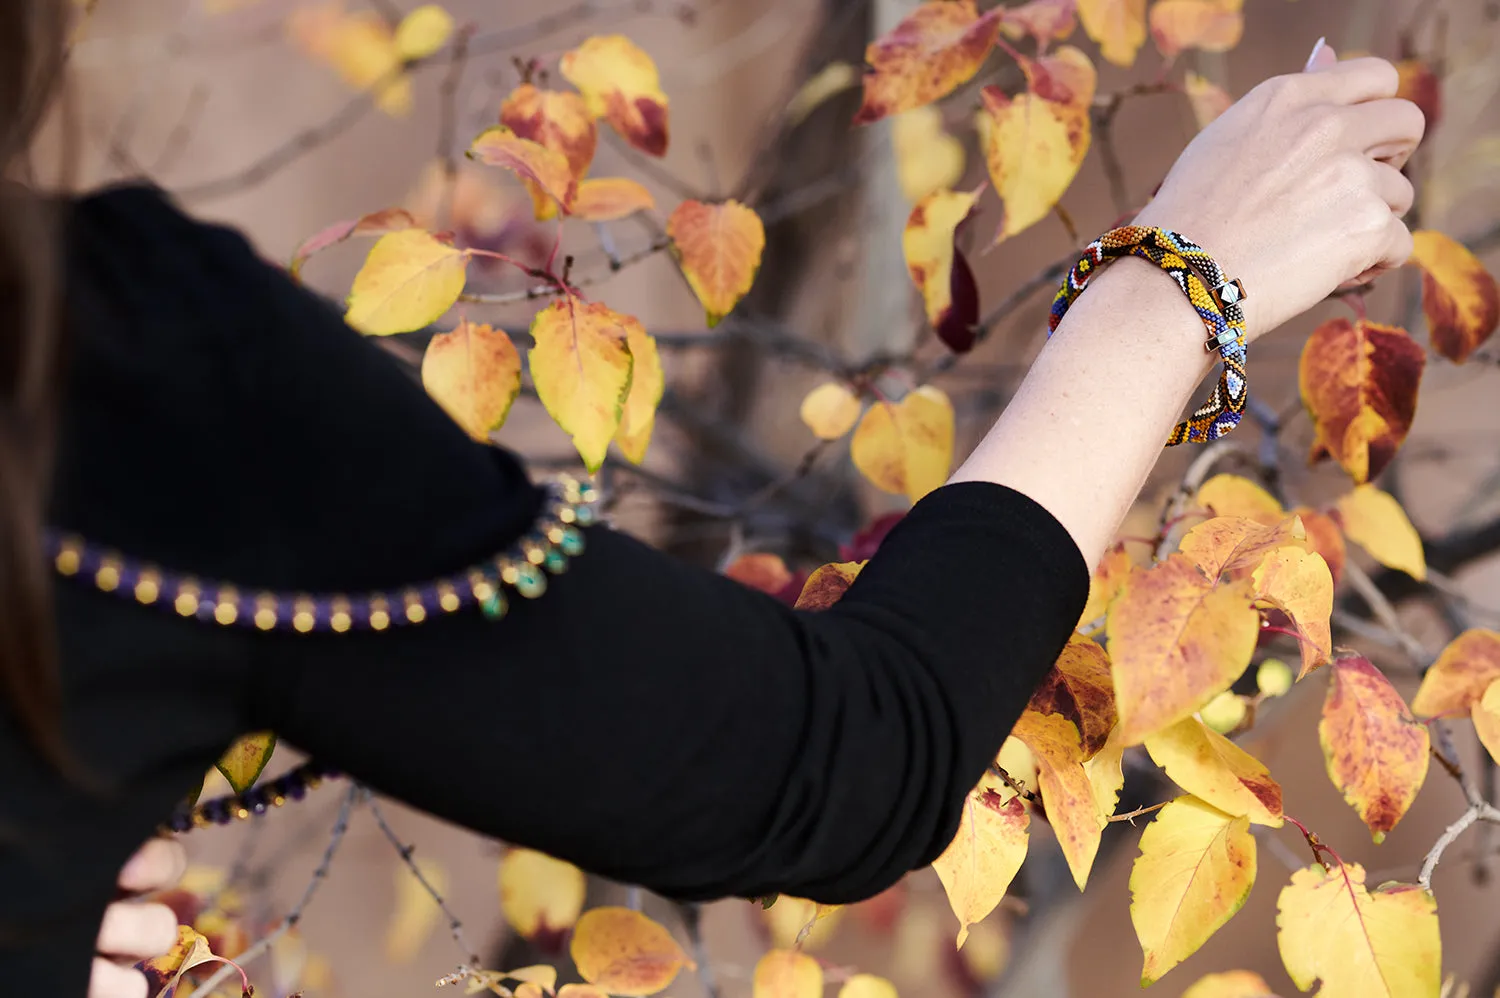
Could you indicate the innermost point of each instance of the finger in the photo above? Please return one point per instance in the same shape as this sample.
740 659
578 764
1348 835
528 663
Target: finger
1323 57
1385 129
1353 81
1398 245
109 980
1394 188
138 931
159 864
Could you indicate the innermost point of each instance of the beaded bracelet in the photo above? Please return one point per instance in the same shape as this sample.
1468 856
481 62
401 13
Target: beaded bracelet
1216 299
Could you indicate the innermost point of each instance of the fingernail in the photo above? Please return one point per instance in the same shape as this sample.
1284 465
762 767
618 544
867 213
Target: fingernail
1314 57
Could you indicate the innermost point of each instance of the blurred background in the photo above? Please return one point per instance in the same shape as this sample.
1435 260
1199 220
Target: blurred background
213 102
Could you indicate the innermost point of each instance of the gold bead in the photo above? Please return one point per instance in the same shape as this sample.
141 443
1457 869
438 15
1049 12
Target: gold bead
380 617
555 533
278 800
339 619
242 813
227 611
415 611
302 615
447 598
108 576
510 574
265 612
186 603
536 554
483 590
69 558
567 514
148 588
200 820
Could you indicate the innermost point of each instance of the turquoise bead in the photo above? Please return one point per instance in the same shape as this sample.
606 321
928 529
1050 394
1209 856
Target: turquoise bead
532 582
572 542
494 608
586 515
556 562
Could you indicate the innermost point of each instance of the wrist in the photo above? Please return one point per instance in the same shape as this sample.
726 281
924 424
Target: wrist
1138 300
1221 247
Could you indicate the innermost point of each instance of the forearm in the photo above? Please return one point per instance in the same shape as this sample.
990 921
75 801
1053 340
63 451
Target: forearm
1092 415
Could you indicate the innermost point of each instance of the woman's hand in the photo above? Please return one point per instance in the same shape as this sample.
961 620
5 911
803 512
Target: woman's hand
133 931
1296 190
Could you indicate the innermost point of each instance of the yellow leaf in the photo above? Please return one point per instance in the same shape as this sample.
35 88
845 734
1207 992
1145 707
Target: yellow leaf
1298 583
415 914
581 366
609 199
546 170
935 48
360 47
1460 675
1360 944
474 373
1067 793
1376 522
539 896
1207 98
943 277
1176 640
1225 712
1044 20
827 584
906 447
621 85
1325 538
246 759
1459 296
797 922
1106 775
648 382
787 974
1486 715
581 991
1035 146
1236 496
188 951
977 867
1119 26
1105 584
719 247
830 410
1195 870
1235 545
867 986
1375 749
373 224
408 281
626 953
1230 984
560 121
1210 25
423 31
928 158
1217 771
831 80
1079 688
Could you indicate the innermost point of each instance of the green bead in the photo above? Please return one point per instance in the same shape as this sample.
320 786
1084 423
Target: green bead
586 515
556 562
494 608
572 542
532 582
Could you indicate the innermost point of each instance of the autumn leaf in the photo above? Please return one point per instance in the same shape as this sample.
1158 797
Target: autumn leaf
1119 26
800 923
373 224
415 914
1079 689
543 169
474 373
1045 20
1175 641
1210 25
1298 583
1420 85
1235 495
1106 774
1230 984
940 272
827 584
558 120
1359 384
1034 146
581 364
977 867
1235 545
867 986
648 383
906 447
1486 716
1325 538
766 572
422 32
1195 870
928 158
1067 794
1217 771
361 48
540 897
608 199
935 48
580 991
409 279
1376 522
163 973
1358 943
620 84
1105 583
246 759
1461 674
830 410
625 952
1459 296
1375 749
828 82
1208 99
719 248
783 973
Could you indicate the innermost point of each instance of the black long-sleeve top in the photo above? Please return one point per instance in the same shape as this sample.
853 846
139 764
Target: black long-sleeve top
647 720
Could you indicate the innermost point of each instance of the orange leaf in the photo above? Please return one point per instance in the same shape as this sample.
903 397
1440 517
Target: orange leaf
766 572
620 84
1232 495
1460 675
1486 716
1298 583
1210 25
1067 793
906 447
625 953
533 162
1421 86
935 48
409 279
581 991
1119 26
608 199
540 897
1235 545
1376 522
1216 770
648 383
1079 689
1230 984
581 364
163 973
373 224
1176 640
783 973
719 246
1375 749
1359 383
1105 583
1065 77
986 853
474 373
558 120
1459 296
830 410
1207 98
1045 20
1324 537
827 584
938 269
867 986
246 759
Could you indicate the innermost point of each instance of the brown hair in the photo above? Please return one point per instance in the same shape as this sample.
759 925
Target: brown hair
32 35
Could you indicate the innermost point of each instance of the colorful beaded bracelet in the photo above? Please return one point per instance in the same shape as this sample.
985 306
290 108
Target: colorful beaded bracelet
1216 299
291 786
554 539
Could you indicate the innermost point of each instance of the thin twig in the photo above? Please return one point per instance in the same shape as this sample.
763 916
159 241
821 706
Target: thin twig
455 925
1478 811
1385 613
1130 816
